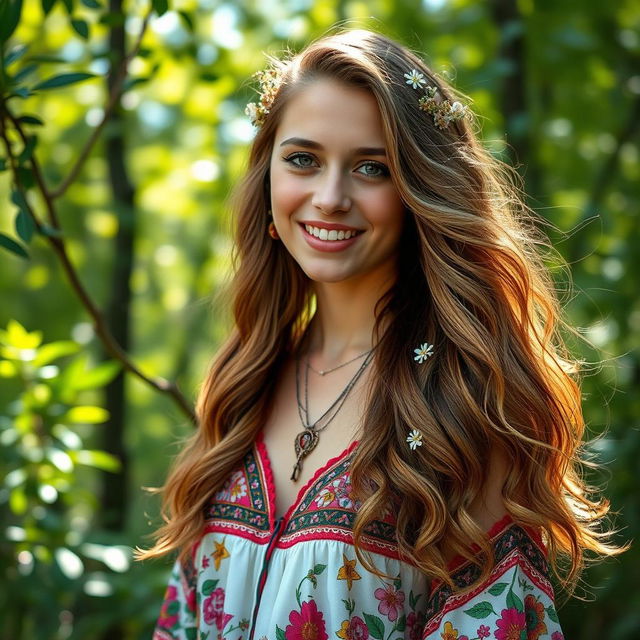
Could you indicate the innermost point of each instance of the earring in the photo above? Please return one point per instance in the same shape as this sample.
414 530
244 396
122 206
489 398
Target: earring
272 231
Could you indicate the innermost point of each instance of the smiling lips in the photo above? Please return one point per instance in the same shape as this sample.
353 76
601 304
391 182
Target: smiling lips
329 238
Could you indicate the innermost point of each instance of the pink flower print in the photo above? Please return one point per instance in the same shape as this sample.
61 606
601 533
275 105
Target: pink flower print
213 609
483 631
306 625
415 624
510 625
170 608
556 635
314 518
391 601
205 562
325 498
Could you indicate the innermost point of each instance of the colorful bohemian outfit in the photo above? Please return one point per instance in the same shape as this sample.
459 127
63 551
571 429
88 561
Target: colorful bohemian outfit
252 576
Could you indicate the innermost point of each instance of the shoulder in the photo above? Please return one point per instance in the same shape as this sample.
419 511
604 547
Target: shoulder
517 595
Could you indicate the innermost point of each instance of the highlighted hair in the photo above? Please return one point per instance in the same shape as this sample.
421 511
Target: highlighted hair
473 281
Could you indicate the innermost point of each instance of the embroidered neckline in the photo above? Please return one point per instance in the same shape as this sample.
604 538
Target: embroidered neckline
265 463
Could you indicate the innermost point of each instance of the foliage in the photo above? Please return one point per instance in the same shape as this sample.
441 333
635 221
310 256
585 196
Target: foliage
180 103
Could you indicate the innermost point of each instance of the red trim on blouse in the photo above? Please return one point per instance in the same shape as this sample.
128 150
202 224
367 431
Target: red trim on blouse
497 529
265 463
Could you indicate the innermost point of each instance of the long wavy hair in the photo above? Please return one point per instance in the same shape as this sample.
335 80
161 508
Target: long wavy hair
471 280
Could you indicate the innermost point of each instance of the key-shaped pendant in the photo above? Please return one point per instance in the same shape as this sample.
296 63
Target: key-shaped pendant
305 443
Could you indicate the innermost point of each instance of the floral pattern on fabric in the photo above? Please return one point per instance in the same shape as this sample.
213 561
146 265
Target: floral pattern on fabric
515 603
252 577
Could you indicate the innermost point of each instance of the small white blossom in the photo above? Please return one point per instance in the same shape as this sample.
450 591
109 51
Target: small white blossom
457 107
415 78
414 439
423 352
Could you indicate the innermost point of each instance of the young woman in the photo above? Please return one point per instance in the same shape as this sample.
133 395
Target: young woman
387 441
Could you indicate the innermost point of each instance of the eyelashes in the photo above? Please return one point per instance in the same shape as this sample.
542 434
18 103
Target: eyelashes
293 159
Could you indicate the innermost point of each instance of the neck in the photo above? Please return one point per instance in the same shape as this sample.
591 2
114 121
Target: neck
344 322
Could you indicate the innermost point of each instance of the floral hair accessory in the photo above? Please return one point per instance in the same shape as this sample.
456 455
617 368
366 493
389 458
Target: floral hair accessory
444 112
270 81
423 352
414 439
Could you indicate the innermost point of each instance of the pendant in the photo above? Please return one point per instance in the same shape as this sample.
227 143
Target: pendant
305 443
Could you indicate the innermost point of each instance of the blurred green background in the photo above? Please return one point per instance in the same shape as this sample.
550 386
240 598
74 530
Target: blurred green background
129 195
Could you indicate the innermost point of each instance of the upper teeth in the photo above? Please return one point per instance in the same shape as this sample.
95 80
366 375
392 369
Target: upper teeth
333 234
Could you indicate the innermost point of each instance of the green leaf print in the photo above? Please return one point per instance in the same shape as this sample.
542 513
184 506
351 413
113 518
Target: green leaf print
319 568
192 633
208 587
551 612
375 626
349 605
480 610
513 602
402 623
279 633
498 588
173 608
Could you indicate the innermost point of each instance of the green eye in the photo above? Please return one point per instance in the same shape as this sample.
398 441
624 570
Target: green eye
301 160
379 170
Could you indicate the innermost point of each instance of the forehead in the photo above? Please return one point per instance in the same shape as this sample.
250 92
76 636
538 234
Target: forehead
332 113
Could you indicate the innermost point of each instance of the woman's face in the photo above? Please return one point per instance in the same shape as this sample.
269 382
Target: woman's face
334 204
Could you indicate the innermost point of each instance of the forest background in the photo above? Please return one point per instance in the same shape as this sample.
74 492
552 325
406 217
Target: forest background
122 131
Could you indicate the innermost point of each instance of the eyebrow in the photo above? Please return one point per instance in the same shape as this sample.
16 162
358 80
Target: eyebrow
310 144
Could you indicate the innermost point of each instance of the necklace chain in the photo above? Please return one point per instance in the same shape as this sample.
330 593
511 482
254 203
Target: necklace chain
323 372
307 440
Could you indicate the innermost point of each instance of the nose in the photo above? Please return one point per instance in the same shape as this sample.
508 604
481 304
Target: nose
331 194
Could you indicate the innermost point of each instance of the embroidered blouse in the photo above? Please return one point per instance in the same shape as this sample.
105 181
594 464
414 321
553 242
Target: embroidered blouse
253 576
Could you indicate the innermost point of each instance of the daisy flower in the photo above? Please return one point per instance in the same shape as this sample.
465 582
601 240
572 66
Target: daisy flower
415 78
423 352
414 439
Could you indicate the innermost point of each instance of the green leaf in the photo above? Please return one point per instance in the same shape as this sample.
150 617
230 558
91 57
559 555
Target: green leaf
402 623
375 626
513 602
498 588
27 152
11 245
192 633
69 5
92 4
80 27
20 92
173 608
97 459
10 11
63 80
47 5
208 587
24 177
3 164
54 350
187 19
99 376
319 568
551 612
86 415
18 501
18 336
279 633
160 6
480 610
25 227
30 120
23 73
15 54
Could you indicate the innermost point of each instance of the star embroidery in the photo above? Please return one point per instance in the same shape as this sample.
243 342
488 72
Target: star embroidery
348 571
219 554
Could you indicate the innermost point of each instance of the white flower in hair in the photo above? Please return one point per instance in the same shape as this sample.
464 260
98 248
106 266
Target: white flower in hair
415 78
423 352
414 439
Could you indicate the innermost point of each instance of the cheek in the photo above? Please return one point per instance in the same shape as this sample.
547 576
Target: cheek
286 192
